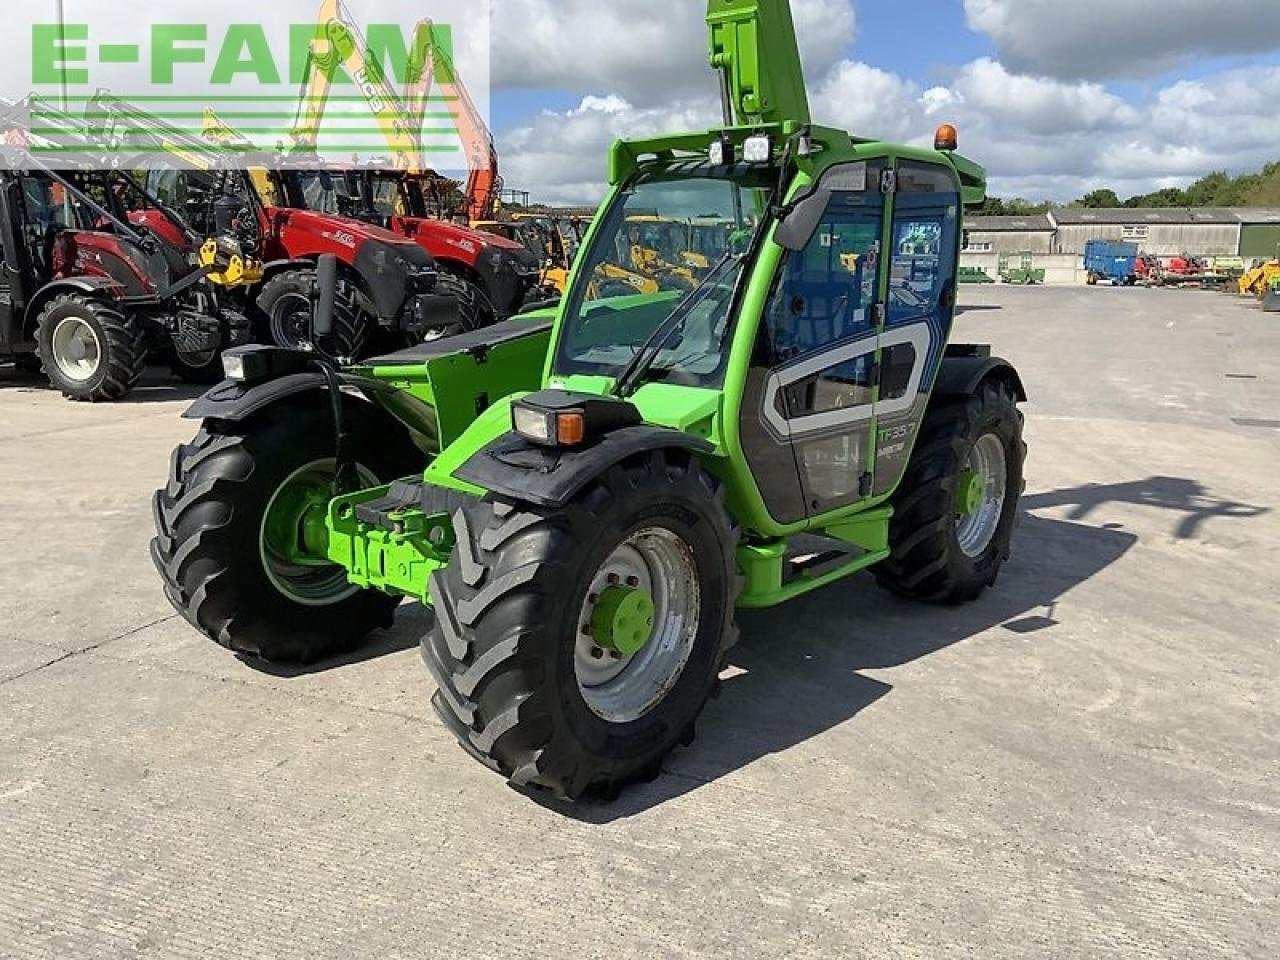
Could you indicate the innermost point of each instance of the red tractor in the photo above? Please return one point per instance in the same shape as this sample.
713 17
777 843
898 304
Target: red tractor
90 297
500 273
387 284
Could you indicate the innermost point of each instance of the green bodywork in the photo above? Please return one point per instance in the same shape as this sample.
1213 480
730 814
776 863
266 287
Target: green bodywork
456 405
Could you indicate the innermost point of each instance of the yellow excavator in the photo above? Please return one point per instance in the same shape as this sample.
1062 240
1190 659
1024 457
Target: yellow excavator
1261 279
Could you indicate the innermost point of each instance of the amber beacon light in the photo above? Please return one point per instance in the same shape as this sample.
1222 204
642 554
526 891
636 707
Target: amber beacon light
946 138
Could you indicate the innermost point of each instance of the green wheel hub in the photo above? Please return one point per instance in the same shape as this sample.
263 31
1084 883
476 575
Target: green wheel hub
294 526
970 492
623 619
294 539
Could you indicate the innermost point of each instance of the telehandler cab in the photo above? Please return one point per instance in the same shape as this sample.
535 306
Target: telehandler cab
586 496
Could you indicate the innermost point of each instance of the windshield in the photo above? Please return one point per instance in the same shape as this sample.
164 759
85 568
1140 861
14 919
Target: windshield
642 266
384 195
326 193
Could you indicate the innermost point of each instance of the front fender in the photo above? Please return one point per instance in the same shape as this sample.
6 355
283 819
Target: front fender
515 469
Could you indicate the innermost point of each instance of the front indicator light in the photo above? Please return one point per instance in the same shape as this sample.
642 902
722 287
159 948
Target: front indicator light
552 428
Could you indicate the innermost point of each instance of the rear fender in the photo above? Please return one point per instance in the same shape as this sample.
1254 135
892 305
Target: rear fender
102 287
235 402
963 376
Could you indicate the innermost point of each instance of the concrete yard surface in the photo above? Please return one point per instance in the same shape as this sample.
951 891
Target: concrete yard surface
1084 763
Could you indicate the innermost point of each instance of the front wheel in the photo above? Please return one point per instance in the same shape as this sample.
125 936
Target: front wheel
573 649
955 509
240 533
89 350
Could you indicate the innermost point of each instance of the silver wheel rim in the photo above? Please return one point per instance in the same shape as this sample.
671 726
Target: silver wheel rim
308 586
291 321
976 530
620 688
77 351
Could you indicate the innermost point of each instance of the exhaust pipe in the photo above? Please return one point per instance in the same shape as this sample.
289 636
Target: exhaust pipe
326 296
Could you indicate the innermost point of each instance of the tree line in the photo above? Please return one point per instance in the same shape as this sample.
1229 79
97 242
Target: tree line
1218 189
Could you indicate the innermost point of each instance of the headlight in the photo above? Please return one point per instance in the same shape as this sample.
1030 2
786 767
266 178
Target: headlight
758 149
556 428
558 418
233 367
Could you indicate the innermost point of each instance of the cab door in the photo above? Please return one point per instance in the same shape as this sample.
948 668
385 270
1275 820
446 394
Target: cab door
810 404
919 308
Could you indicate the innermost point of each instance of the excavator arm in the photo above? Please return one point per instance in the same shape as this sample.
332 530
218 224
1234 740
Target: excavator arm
432 63
339 44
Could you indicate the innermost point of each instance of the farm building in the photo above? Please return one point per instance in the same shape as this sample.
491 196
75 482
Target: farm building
1009 235
1208 232
1057 239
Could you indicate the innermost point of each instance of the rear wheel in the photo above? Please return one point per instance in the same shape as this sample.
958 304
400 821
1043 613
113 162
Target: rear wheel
573 649
89 350
286 302
240 531
955 510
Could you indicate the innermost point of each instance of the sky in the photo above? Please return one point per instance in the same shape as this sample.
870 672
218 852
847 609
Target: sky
1054 97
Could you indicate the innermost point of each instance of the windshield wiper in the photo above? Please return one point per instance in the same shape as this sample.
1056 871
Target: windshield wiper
642 362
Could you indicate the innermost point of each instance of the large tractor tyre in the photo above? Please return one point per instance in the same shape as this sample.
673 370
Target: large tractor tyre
573 649
89 350
233 524
475 309
955 510
286 306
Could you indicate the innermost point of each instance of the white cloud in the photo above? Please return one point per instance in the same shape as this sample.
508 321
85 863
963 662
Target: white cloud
1039 137
649 53
562 158
1110 39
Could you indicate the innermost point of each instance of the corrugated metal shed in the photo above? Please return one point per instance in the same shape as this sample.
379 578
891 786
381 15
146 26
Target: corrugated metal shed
1173 216
1010 224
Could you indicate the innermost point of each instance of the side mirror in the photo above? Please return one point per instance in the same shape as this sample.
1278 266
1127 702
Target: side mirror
797 228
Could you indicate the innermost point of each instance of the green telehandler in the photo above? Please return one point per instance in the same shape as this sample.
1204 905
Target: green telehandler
586 495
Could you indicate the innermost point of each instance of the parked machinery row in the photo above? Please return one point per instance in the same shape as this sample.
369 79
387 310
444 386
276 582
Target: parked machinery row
103 272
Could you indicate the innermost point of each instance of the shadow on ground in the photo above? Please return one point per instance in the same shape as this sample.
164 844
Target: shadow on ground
1175 494
796 672
157 386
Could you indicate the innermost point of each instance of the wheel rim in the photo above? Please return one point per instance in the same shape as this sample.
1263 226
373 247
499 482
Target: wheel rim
291 321
622 675
199 360
77 351
980 495
291 536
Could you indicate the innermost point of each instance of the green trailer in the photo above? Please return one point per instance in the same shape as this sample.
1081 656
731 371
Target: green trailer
973 275
1023 273
590 496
